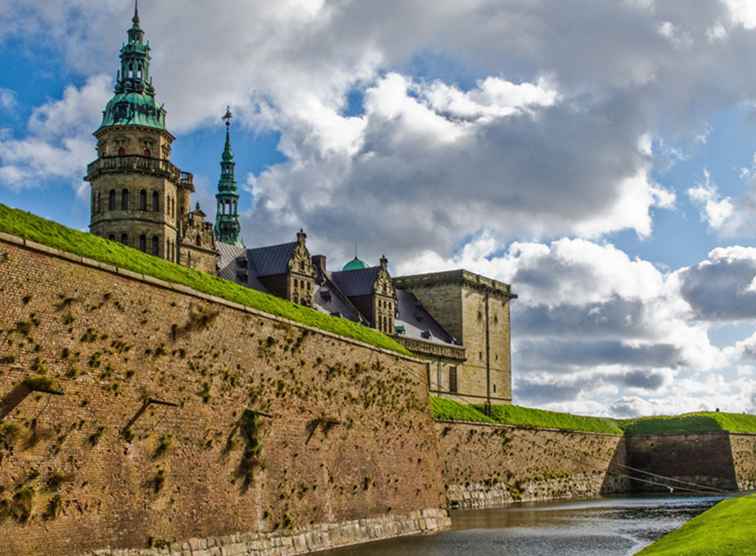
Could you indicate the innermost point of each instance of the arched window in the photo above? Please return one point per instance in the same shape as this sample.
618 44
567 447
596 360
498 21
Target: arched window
125 199
142 200
156 246
112 200
125 239
148 153
111 237
121 151
155 201
143 243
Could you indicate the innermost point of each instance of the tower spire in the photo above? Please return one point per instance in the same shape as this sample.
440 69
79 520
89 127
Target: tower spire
227 227
135 19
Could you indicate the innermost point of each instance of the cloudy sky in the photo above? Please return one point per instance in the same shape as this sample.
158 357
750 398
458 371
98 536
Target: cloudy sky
597 154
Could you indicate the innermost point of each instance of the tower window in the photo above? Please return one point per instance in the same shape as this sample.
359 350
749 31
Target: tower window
125 199
155 201
143 243
453 380
142 200
125 239
147 153
112 200
156 246
121 151
198 241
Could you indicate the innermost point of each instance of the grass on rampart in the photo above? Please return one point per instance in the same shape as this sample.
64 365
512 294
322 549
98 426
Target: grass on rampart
726 529
539 418
449 410
688 423
52 234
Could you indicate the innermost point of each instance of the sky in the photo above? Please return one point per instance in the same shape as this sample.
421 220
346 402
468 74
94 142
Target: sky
599 155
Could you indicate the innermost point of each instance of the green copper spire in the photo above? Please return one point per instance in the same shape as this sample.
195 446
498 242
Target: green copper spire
227 227
134 101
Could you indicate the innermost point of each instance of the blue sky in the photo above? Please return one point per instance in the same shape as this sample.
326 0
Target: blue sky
597 154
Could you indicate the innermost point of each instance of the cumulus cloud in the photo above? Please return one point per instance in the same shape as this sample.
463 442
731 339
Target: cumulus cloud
59 141
716 211
592 326
721 288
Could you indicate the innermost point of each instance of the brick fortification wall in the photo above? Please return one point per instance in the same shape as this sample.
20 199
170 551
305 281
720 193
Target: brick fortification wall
720 460
283 439
487 465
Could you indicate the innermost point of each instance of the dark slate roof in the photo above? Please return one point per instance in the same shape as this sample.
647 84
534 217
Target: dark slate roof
271 260
234 264
227 266
416 319
355 283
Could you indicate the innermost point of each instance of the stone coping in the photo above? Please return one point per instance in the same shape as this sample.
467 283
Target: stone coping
179 288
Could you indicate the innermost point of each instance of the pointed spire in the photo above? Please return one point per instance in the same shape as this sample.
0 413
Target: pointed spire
227 227
135 19
228 154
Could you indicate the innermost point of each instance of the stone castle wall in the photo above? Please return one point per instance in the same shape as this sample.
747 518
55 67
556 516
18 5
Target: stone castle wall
279 438
490 465
719 460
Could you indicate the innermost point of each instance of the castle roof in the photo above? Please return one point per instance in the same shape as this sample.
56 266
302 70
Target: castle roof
272 259
355 283
354 264
417 321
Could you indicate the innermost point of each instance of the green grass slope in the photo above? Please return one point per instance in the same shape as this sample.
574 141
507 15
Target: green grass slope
449 410
690 423
51 234
727 529
538 418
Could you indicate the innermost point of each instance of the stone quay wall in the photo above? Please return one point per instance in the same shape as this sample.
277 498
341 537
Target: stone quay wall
720 460
138 417
490 465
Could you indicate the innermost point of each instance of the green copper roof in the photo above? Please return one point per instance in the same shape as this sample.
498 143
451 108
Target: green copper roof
355 264
227 227
134 101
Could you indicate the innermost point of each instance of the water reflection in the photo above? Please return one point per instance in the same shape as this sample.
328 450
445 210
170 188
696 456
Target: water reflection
604 527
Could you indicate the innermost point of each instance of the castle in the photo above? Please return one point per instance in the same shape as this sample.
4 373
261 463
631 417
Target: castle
458 321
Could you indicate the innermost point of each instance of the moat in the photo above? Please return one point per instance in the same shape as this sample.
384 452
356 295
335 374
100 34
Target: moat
602 527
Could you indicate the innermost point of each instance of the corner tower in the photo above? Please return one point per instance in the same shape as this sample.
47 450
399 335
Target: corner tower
138 196
227 227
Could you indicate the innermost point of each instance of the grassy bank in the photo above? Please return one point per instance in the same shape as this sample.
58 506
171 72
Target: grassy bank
448 410
726 529
690 423
46 232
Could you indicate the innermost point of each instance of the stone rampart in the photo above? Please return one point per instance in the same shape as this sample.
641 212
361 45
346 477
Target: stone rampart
155 416
490 465
718 460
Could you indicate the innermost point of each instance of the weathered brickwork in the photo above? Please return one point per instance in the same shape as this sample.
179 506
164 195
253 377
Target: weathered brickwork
720 460
487 466
267 434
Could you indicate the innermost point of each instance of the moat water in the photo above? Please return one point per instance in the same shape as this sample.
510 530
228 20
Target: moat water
601 527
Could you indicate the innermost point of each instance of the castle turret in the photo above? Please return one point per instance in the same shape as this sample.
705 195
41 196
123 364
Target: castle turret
227 227
138 195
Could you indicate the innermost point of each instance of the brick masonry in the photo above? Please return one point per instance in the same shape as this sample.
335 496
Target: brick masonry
346 437
490 465
720 460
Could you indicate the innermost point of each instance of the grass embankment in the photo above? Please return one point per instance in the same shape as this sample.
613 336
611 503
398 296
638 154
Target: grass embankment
449 410
690 423
726 529
52 234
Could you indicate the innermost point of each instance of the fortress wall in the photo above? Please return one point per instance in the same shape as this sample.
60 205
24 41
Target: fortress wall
720 460
341 450
491 465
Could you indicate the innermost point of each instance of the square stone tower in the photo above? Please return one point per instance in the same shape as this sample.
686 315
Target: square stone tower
475 310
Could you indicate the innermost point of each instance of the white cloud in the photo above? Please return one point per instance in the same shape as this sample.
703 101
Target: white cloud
59 142
743 12
715 210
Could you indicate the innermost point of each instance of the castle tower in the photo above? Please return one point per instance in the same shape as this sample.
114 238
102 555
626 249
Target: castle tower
138 196
227 227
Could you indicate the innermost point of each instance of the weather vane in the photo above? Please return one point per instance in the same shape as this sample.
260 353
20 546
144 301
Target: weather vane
227 116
